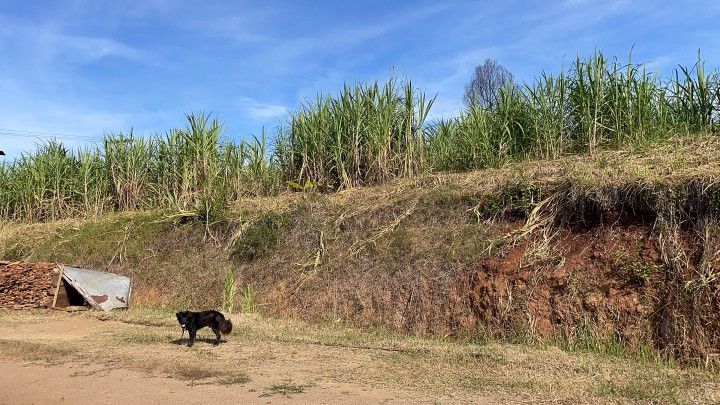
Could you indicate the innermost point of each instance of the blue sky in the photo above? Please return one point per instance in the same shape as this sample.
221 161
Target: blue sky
85 68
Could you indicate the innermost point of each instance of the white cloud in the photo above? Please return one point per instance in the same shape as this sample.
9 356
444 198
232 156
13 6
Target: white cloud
47 43
89 48
30 117
33 111
260 110
36 87
49 120
281 53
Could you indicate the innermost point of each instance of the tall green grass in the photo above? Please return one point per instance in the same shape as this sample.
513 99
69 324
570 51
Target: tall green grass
191 169
595 104
367 134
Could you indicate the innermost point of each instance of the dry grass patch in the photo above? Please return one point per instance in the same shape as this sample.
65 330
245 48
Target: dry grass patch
287 389
40 352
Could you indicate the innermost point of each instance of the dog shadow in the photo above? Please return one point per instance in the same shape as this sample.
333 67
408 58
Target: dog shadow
184 341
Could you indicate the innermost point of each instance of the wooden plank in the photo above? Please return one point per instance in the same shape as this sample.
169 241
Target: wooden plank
57 287
129 293
62 298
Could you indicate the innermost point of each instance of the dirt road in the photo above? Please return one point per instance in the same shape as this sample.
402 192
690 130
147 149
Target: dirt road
35 384
135 357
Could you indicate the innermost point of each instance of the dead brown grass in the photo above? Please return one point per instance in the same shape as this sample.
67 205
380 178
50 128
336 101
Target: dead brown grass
412 255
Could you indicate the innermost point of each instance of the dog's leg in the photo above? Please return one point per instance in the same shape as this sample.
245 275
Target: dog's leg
192 333
217 336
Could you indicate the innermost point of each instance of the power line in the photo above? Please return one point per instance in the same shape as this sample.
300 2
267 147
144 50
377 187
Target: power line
45 135
23 131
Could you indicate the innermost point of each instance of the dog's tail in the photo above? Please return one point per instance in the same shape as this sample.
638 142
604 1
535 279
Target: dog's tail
225 326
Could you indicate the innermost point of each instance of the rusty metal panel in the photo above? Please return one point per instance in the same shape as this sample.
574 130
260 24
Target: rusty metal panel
104 291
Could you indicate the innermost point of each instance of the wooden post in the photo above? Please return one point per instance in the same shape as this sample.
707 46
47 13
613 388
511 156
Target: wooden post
129 293
57 287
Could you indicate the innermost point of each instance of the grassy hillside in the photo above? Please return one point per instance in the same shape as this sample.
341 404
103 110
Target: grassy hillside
365 135
616 252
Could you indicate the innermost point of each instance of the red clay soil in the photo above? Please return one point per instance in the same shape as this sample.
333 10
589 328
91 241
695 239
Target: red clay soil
605 282
602 279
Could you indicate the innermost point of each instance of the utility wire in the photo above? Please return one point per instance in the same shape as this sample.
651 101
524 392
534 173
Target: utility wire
22 131
45 135
40 136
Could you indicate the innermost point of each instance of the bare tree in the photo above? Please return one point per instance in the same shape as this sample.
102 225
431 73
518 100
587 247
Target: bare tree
483 90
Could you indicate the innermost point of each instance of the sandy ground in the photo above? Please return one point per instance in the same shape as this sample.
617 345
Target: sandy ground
92 358
35 384
287 373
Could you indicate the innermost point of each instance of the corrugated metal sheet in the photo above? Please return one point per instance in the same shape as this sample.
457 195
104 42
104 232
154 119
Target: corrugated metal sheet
104 291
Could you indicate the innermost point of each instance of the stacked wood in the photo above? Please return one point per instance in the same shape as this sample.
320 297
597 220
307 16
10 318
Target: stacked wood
26 285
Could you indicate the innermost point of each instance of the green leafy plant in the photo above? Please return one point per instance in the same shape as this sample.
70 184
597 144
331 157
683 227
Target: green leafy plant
229 290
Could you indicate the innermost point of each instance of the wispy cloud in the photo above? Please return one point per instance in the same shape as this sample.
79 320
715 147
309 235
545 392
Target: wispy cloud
49 41
87 49
40 87
359 34
259 110
280 53
31 117
90 48
49 120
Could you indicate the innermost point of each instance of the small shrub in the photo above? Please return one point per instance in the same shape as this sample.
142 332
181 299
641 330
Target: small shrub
260 237
229 290
15 251
248 300
637 269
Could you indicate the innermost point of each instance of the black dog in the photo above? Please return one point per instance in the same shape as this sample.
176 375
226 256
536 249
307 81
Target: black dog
192 321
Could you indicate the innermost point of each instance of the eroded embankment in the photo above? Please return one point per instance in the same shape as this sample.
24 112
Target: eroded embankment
620 250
